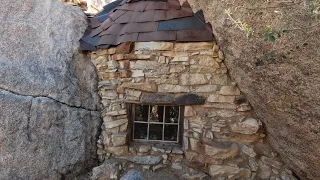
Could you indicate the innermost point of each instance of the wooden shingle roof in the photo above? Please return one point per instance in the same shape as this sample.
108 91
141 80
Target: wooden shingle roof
142 21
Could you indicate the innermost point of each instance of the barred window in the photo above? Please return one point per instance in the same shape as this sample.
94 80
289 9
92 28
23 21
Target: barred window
156 122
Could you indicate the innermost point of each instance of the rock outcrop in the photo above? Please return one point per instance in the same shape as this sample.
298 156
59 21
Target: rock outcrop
281 79
49 115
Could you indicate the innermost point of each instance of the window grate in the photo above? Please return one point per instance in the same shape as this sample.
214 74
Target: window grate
156 123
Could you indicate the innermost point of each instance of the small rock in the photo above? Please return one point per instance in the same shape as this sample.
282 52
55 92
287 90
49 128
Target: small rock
287 175
248 151
264 171
193 79
108 170
132 175
177 150
271 162
253 164
176 166
144 160
248 126
157 167
165 156
216 48
217 170
197 176
150 46
144 148
221 55
145 168
229 90
119 139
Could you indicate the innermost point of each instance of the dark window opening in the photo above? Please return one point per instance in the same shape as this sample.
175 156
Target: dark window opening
156 122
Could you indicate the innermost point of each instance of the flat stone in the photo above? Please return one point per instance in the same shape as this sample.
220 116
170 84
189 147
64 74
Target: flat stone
221 55
144 148
173 88
112 64
208 61
188 111
193 46
144 160
101 60
147 86
193 79
205 88
161 46
197 176
137 73
119 139
118 151
243 108
253 164
175 54
176 166
138 56
157 98
133 175
177 69
145 168
217 150
264 171
248 126
177 150
216 48
158 167
229 90
216 98
272 162
222 106
220 170
203 69
189 99
116 123
248 151
144 65
220 79
134 93
162 60
180 59
108 84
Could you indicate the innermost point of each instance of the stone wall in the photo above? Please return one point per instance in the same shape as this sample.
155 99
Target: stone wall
220 134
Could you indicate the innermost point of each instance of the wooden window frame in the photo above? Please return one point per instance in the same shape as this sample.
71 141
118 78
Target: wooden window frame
131 118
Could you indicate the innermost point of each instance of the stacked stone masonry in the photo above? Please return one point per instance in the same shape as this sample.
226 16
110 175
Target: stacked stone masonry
220 134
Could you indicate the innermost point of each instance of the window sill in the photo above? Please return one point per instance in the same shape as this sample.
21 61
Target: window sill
156 147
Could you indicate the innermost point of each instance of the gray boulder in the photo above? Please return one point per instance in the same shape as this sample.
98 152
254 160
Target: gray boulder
108 170
132 175
49 115
281 80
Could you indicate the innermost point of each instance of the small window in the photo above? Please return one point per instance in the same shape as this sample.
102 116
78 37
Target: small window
156 123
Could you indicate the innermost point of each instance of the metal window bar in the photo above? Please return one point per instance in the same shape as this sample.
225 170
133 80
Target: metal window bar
163 124
148 122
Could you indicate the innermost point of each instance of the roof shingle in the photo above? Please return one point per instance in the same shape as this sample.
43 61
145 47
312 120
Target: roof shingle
144 20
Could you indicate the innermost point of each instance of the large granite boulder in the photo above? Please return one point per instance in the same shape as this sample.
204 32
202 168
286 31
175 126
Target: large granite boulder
280 79
49 115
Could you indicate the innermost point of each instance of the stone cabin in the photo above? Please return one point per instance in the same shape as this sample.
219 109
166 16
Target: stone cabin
166 95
